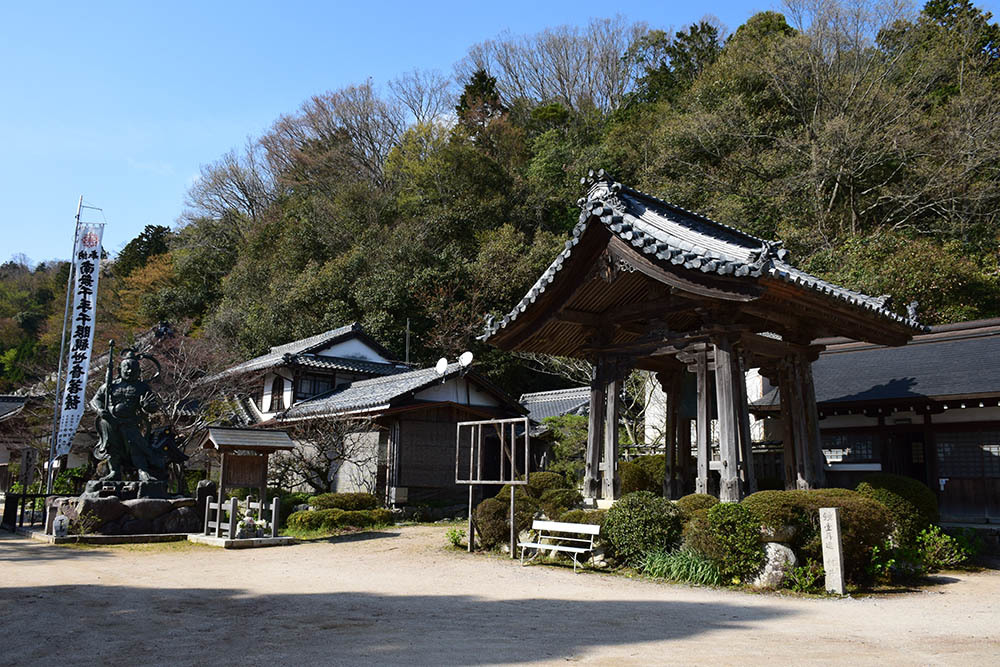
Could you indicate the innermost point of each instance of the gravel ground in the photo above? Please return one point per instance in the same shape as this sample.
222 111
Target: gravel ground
400 597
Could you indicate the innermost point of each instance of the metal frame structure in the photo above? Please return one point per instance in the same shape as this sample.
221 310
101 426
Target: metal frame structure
508 461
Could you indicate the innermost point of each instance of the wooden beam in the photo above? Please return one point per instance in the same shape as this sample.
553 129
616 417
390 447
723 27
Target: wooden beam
657 308
583 318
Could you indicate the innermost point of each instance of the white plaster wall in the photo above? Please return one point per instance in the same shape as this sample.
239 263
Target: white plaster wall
359 475
847 421
457 390
352 349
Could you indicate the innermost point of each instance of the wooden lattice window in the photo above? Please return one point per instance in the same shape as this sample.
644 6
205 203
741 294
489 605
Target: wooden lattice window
278 394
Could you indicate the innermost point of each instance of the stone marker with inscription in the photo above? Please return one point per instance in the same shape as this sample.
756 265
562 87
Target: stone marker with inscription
833 550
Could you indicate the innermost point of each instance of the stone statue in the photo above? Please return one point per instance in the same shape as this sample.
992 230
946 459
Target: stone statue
123 408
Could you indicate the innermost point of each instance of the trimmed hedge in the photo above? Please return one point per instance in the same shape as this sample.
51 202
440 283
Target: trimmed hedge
737 533
344 501
912 505
333 519
593 517
540 482
555 502
633 478
492 516
693 502
641 522
655 466
794 516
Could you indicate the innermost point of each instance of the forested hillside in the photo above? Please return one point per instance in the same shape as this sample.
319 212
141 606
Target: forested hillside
867 139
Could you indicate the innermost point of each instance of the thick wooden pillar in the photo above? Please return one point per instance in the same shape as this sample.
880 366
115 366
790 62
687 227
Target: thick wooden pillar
787 427
748 474
813 446
671 385
726 393
798 408
684 477
702 423
611 486
595 433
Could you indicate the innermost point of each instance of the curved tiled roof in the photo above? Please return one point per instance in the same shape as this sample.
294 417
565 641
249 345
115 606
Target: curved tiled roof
555 403
301 353
675 236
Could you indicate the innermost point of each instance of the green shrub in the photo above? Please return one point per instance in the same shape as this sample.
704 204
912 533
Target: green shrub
794 516
288 503
690 503
540 482
635 478
492 522
912 505
344 501
938 550
455 536
593 517
638 523
555 502
654 465
334 519
698 536
682 565
808 578
737 532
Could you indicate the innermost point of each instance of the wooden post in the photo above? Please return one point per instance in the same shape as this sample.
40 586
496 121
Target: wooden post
611 484
813 445
672 474
702 425
595 432
208 513
788 429
684 457
233 508
275 510
725 391
797 422
743 418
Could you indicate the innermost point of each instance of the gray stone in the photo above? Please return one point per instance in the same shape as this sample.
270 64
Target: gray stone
183 502
148 508
103 509
784 534
181 520
61 505
206 488
133 526
779 560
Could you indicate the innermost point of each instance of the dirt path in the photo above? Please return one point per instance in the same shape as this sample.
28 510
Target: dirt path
401 597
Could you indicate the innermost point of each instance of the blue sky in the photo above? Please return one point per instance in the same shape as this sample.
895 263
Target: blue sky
122 102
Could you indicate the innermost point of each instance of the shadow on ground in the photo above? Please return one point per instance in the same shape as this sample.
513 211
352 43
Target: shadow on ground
17 548
349 537
205 625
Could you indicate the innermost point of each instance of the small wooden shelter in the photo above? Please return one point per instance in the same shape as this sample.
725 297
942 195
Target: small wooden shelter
244 453
648 285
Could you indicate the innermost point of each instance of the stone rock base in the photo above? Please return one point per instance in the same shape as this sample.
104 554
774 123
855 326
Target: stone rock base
778 561
110 515
251 543
125 490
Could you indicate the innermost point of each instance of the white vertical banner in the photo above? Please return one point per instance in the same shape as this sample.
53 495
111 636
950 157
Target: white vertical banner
86 269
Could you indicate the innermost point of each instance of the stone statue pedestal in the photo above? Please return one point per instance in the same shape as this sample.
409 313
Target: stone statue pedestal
125 490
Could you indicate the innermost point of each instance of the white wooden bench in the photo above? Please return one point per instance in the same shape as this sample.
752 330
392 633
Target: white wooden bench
564 532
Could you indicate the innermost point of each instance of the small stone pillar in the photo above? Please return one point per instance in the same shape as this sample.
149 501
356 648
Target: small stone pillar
833 550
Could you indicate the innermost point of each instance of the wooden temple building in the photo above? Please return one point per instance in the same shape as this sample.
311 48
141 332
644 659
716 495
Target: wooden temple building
643 284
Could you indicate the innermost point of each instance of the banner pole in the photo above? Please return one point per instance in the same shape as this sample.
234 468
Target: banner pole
62 351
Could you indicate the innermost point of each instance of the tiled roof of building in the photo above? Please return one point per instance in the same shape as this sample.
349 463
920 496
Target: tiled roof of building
376 393
301 353
948 362
11 405
555 403
673 235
